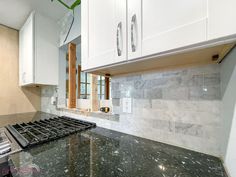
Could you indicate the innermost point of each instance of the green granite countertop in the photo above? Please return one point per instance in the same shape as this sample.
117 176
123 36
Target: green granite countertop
104 153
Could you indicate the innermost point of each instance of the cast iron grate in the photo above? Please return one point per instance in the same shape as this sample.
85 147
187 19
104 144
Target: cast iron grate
38 132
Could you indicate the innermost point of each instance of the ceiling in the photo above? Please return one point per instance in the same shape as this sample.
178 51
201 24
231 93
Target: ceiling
13 13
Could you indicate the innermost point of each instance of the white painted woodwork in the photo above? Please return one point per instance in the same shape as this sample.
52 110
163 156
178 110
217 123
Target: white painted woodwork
172 24
39 53
188 57
84 34
222 17
120 16
135 9
163 28
100 20
26 52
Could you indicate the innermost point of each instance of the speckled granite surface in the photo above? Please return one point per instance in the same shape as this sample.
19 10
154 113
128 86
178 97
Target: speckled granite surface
104 153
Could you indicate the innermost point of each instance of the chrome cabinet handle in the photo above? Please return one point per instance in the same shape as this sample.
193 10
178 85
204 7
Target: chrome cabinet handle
134 33
119 39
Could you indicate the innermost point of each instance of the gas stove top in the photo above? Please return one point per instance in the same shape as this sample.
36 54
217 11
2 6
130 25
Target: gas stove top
38 132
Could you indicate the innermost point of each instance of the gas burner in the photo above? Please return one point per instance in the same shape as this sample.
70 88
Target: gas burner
38 132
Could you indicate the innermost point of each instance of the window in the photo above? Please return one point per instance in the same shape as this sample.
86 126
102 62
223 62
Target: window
101 87
79 84
84 85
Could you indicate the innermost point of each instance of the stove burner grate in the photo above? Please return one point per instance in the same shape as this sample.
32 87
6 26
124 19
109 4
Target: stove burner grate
33 133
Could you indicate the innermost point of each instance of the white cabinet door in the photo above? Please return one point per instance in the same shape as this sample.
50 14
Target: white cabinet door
222 17
26 59
38 50
103 32
134 29
46 51
121 31
169 24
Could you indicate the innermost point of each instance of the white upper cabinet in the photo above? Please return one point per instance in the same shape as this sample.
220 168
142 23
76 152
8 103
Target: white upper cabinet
103 32
222 17
118 31
38 61
169 24
134 29
26 52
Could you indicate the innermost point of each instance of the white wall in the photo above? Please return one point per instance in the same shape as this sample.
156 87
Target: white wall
228 88
228 114
62 78
231 154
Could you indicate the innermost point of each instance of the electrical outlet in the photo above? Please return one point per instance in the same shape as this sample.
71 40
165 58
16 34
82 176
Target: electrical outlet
127 105
53 100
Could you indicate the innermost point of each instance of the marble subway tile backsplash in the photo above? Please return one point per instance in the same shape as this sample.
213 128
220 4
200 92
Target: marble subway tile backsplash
167 105
179 107
184 84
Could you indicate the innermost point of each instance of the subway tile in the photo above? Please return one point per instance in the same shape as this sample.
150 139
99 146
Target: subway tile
205 106
137 94
155 93
212 79
118 79
116 110
164 125
157 83
151 75
116 94
205 69
140 84
189 129
115 101
115 86
205 93
161 104
175 73
209 146
196 80
173 82
212 93
196 93
133 77
48 91
178 93
142 103
126 86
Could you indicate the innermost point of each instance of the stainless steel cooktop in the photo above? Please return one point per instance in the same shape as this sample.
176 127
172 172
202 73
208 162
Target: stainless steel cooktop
8 144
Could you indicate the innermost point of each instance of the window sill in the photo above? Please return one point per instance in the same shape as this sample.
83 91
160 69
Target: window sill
97 114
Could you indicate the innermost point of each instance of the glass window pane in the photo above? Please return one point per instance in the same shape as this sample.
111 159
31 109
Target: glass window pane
82 96
102 97
103 78
82 76
88 78
82 88
103 90
88 88
99 89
